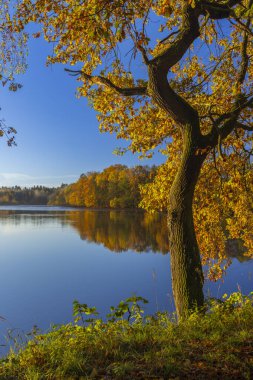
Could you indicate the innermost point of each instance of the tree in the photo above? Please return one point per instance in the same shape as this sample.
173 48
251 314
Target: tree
115 187
12 61
175 74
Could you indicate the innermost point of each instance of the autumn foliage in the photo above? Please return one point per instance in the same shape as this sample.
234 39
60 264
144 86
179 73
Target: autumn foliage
115 187
12 62
175 76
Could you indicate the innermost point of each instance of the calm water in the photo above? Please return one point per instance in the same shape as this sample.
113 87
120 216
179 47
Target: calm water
51 256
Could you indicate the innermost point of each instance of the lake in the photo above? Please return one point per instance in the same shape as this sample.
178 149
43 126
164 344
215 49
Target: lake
53 255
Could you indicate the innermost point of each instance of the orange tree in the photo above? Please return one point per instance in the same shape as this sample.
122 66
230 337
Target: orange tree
174 74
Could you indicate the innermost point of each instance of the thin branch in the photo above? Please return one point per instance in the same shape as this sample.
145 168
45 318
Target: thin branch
99 80
215 163
132 30
146 17
245 58
243 26
144 53
168 37
244 126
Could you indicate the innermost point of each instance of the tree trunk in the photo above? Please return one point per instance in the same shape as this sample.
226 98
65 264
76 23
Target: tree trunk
186 268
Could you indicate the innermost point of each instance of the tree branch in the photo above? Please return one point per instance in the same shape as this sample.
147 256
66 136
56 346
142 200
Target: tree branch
168 37
230 119
227 122
190 29
186 36
244 126
159 88
245 58
216 10
99 80
179 109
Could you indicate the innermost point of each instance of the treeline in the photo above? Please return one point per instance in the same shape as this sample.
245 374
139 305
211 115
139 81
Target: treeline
115 187
36 195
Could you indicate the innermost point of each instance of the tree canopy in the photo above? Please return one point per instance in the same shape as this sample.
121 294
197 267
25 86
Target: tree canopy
175 75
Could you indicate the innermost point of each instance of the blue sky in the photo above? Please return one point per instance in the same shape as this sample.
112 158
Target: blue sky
58 136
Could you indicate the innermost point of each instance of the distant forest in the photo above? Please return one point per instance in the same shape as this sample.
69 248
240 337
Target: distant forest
115 187
36 195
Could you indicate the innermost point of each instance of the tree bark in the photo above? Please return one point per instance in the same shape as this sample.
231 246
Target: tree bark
186 268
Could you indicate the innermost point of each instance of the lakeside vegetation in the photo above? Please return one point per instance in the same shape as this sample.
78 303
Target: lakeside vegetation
214 345
115 187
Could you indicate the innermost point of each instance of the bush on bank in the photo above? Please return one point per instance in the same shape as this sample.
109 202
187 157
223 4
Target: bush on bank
217 344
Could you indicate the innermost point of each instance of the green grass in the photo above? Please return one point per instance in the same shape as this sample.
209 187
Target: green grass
215 345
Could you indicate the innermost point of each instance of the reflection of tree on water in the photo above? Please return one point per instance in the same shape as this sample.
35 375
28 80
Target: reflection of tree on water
235 248
116 230
123 230
30 217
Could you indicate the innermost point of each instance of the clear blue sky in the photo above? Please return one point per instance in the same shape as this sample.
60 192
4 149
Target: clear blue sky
58 136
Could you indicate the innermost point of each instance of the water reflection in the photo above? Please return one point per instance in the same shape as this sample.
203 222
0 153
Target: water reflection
120 231
49 257
116 230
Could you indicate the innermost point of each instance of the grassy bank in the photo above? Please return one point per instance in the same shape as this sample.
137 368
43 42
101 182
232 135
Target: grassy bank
217 345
